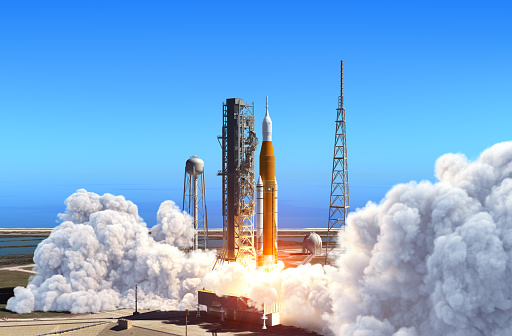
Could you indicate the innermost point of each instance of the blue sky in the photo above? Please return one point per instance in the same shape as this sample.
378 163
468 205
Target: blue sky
115 96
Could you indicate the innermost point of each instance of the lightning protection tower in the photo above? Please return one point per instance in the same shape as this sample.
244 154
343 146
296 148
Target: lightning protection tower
238 142
194 200
339 206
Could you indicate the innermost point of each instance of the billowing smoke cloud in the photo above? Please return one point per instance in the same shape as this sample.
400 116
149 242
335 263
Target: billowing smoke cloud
430 259
173 227
82 204
93 260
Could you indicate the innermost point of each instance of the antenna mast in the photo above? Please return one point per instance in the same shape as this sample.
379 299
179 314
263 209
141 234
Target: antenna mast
339 206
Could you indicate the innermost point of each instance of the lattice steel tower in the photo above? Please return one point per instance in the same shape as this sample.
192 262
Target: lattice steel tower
339 206
238 142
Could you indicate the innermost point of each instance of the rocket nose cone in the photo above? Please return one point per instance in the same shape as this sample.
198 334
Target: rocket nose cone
260 181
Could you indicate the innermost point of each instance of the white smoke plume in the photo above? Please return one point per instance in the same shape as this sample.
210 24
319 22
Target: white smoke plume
173 227
429 259
80 205
93 260
432 259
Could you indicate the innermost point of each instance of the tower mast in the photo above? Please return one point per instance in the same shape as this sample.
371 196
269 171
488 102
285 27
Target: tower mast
339 206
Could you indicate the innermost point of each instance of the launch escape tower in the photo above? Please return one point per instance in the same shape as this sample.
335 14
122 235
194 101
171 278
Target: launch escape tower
194 199
238 142
339 206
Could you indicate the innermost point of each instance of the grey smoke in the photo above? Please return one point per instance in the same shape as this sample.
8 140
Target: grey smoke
93 260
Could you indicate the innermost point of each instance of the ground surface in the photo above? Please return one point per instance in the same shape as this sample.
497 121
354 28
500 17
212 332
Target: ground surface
148 323
17 259
13 278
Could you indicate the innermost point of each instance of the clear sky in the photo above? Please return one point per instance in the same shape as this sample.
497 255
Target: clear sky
115 96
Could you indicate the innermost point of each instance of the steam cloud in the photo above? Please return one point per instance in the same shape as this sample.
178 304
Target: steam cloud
303 292
173 227
432 259
429 259
93 260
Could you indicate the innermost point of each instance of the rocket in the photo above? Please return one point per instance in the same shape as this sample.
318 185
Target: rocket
267 198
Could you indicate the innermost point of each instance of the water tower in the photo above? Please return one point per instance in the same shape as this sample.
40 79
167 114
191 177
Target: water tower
194 200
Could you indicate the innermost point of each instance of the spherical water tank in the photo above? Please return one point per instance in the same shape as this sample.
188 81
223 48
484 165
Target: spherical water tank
313 243
194 166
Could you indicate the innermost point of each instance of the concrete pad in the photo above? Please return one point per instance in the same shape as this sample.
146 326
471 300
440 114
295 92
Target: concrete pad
147 323
30 329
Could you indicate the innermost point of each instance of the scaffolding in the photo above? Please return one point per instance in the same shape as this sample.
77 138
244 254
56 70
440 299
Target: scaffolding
339 205
239 143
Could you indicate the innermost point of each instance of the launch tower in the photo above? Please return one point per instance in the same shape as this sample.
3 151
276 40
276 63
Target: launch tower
339 206
238 142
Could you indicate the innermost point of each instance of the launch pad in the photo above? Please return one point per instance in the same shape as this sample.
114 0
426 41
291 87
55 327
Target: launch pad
257 247
238 308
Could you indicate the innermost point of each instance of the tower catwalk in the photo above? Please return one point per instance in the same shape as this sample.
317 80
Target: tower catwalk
238 142
339 206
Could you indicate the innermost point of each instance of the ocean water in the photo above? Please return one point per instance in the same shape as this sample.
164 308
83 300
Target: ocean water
19 245
17 250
